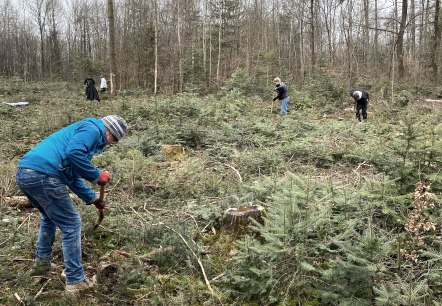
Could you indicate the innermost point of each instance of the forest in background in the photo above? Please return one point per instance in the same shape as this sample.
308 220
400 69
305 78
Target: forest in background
188 45
352 211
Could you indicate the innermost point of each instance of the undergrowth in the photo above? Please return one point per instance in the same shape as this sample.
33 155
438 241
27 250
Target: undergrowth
337 197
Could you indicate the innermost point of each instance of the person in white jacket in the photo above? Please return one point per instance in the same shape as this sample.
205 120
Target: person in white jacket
103 84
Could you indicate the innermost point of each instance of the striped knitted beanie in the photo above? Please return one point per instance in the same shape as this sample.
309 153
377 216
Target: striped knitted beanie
116 125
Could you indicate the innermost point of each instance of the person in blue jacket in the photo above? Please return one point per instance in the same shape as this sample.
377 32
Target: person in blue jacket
361 98
282 95
45 173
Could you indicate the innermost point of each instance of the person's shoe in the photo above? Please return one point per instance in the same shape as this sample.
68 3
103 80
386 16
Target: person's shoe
40 268
87 283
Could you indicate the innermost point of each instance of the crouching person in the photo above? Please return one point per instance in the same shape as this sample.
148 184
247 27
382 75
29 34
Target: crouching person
361 98
45 173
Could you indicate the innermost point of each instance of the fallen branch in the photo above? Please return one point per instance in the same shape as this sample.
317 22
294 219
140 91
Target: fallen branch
41 290
432 100
18 298
206 280
22 201
236 171
218 277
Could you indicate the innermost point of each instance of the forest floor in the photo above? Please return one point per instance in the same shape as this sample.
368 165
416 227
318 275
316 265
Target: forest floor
162 241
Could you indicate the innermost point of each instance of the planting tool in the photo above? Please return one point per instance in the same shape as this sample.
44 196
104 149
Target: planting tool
100 211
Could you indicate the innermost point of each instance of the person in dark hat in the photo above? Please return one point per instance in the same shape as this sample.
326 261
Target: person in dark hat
361 98
282 95
44 174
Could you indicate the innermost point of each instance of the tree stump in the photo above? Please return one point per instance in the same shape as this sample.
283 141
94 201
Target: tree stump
173 152
237 220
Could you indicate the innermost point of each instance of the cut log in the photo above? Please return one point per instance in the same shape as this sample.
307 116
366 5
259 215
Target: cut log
23 202
236 220
18 201
433 100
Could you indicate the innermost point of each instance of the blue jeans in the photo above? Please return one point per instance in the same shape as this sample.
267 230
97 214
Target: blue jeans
284 106
51 197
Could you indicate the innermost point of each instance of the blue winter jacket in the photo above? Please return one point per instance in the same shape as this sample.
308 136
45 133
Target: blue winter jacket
67 155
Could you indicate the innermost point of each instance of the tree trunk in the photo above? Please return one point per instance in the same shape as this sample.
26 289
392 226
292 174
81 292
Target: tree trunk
180 50
400 41
155 85
113 61
376 32
436 43
366 35
204 39
218 65
413 29
312 37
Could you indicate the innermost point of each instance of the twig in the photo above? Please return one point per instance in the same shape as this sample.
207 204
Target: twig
193 218
219 276
27 218
237 172
19 298
113 187
196 257
364 163
41 290
22 259
145 221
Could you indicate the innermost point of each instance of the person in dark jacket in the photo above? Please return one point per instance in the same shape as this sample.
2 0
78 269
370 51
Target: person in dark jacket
361 98
91 91
44 174
282 95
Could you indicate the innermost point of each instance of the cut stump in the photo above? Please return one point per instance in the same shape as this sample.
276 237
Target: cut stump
236 220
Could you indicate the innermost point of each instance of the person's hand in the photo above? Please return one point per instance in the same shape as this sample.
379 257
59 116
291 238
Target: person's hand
99 204
104 178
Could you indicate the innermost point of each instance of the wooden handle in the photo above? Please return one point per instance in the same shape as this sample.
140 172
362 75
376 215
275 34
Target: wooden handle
101 193
100 211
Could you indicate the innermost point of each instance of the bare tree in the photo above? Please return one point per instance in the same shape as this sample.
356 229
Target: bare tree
39 10
55 65
312 37
400 40
436 42
155 10
112 47
180 48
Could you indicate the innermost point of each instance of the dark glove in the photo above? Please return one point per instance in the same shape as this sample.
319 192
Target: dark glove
275 98
99 204
104 177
